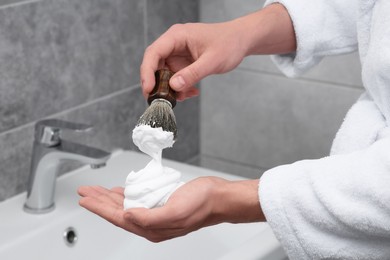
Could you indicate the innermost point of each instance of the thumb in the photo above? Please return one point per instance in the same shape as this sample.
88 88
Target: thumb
137 216
192 74
150 218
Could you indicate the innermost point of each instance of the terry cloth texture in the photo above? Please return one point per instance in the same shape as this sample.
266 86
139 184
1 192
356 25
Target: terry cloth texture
338 207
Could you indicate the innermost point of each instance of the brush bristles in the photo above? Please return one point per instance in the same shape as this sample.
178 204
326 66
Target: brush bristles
160 114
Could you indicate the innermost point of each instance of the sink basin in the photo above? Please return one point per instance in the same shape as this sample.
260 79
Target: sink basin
71 232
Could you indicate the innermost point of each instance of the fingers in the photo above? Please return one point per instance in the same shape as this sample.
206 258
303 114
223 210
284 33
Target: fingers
98 194
111 212
189 93
172 50
157 224
97 198
118 190
157 52
190 75
98 190
108 205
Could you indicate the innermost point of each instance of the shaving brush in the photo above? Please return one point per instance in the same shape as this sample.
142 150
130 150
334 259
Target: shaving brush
161 102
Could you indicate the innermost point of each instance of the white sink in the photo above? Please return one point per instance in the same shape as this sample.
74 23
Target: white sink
27 236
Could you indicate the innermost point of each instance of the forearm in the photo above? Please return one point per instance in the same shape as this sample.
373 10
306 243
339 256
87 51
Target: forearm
267 31
237 202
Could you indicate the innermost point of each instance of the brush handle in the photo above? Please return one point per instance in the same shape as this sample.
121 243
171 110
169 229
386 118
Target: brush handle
162 88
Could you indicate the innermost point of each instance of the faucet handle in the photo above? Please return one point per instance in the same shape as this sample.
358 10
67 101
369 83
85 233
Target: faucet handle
48 131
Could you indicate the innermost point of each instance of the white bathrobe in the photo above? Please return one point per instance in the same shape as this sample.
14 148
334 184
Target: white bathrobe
338 207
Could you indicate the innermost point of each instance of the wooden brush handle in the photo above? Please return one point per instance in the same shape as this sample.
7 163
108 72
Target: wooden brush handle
162 88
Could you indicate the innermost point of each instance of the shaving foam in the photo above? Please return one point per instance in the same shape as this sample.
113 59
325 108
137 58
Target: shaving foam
153 185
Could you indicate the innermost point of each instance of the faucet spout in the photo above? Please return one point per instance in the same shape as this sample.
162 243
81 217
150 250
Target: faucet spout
45 162
79 152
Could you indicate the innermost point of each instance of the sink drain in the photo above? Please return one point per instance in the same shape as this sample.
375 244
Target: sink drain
70 236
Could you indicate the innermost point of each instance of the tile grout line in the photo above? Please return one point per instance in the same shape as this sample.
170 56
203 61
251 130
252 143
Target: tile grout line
145 23
232 162
10 5
262 72
94 101
80 106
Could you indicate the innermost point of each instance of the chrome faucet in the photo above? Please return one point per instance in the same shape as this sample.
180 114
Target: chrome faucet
48 152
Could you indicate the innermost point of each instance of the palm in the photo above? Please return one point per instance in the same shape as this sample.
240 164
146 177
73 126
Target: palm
187 210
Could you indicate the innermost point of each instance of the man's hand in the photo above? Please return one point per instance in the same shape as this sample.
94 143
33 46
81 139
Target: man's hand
193 51
196 50
202 202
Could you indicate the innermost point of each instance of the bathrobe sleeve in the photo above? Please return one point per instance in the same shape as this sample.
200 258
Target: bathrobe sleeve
374 48
322 27
337 207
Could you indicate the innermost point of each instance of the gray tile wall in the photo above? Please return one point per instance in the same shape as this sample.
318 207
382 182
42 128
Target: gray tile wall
79 61
274 120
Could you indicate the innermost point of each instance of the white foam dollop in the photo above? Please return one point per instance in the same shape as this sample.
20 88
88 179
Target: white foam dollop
151 186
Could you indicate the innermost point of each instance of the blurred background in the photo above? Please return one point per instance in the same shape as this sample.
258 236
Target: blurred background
79 61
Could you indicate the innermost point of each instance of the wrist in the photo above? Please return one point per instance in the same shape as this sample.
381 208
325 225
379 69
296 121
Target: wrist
267 31
237 202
